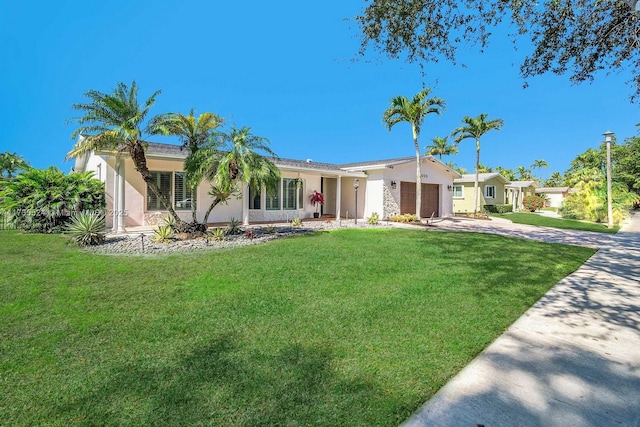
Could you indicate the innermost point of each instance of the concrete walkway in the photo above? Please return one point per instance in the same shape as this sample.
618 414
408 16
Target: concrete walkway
571 360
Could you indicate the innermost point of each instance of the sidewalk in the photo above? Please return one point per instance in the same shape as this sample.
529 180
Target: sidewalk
571 360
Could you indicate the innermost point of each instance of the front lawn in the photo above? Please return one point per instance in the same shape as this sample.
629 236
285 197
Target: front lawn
351 327
545 221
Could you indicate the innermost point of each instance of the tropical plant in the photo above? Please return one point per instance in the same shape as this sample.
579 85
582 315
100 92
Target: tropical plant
250 234
441 147
10 163
456 168
475 128
193 133
539 164
404 218
42 201
554 180
296 222
482 168
170 222
413 112
317 199
87 228
115 122
162 234
374 219
232 159
271 229
218 234
233 227
523 174
509 174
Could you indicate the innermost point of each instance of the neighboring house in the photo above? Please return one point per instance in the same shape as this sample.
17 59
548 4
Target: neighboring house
491 191
554 196
386 187
516 191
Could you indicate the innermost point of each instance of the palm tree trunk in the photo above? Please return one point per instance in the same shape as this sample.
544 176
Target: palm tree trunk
211 206
418 176
475 184
136 152
194 200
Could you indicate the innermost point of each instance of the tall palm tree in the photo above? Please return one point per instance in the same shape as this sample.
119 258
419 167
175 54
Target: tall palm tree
413 112
193 133
555 180
114 121
10 163
539 164
234 158
476 127
441 147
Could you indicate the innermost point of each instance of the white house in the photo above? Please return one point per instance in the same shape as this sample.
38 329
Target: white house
554 196
386 187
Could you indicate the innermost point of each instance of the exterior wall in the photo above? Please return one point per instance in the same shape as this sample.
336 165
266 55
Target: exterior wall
431 174
465 203
348 197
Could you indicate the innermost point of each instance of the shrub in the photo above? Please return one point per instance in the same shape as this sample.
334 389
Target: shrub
500 209
233 227
43 200
250 234
87 228
170 222
162 234
296 222
374 219
404 218
269 230
533 203
218 234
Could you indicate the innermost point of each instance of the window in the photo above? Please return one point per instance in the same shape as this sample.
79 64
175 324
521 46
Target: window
254 198
182 195
490 191
290 194
273 200
458 192
173 187
163 181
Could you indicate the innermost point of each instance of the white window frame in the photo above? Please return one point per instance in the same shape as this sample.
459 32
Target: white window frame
461 187
486 191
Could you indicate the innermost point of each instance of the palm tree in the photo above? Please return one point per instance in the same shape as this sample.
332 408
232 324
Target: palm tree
10 163
194 134
509 174
413 112
475 128
524 174
233 158
555 180
441 147
115 122
539 164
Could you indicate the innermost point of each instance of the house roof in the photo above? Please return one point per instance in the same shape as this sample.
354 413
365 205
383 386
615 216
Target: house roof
163 151
552 189
522 184
482 177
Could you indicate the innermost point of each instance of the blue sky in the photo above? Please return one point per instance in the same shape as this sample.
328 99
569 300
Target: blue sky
286 70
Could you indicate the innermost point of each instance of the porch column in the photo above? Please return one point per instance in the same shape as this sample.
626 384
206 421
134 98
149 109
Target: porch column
338 196
120 204
245 205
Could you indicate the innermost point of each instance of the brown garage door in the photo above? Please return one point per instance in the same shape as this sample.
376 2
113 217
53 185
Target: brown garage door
430 199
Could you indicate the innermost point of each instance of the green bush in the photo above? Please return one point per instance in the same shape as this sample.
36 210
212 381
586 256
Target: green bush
162 234
533 203
498 208
43 200
87 228
234 227
374 219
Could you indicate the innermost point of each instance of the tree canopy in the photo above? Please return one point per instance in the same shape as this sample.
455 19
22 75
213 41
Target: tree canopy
574 37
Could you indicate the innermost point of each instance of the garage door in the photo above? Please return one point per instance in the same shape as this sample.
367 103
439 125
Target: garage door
430 199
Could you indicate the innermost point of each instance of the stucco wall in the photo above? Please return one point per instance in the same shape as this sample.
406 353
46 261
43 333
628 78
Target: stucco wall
465 204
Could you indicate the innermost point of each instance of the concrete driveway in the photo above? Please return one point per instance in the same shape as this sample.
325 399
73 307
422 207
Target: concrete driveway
572 360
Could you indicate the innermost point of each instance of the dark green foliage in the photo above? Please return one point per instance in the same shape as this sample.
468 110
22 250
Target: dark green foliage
498 208
579 38
87 228
533 203
43 200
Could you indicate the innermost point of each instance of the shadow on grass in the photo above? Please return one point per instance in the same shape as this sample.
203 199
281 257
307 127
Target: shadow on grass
220 383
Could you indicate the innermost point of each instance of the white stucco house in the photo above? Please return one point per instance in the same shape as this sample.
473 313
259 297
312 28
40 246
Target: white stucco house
386 187
554 196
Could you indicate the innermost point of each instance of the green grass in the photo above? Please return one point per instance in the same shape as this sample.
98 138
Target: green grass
352 327
545 221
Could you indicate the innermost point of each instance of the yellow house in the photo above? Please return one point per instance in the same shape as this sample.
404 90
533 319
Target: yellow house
491 191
